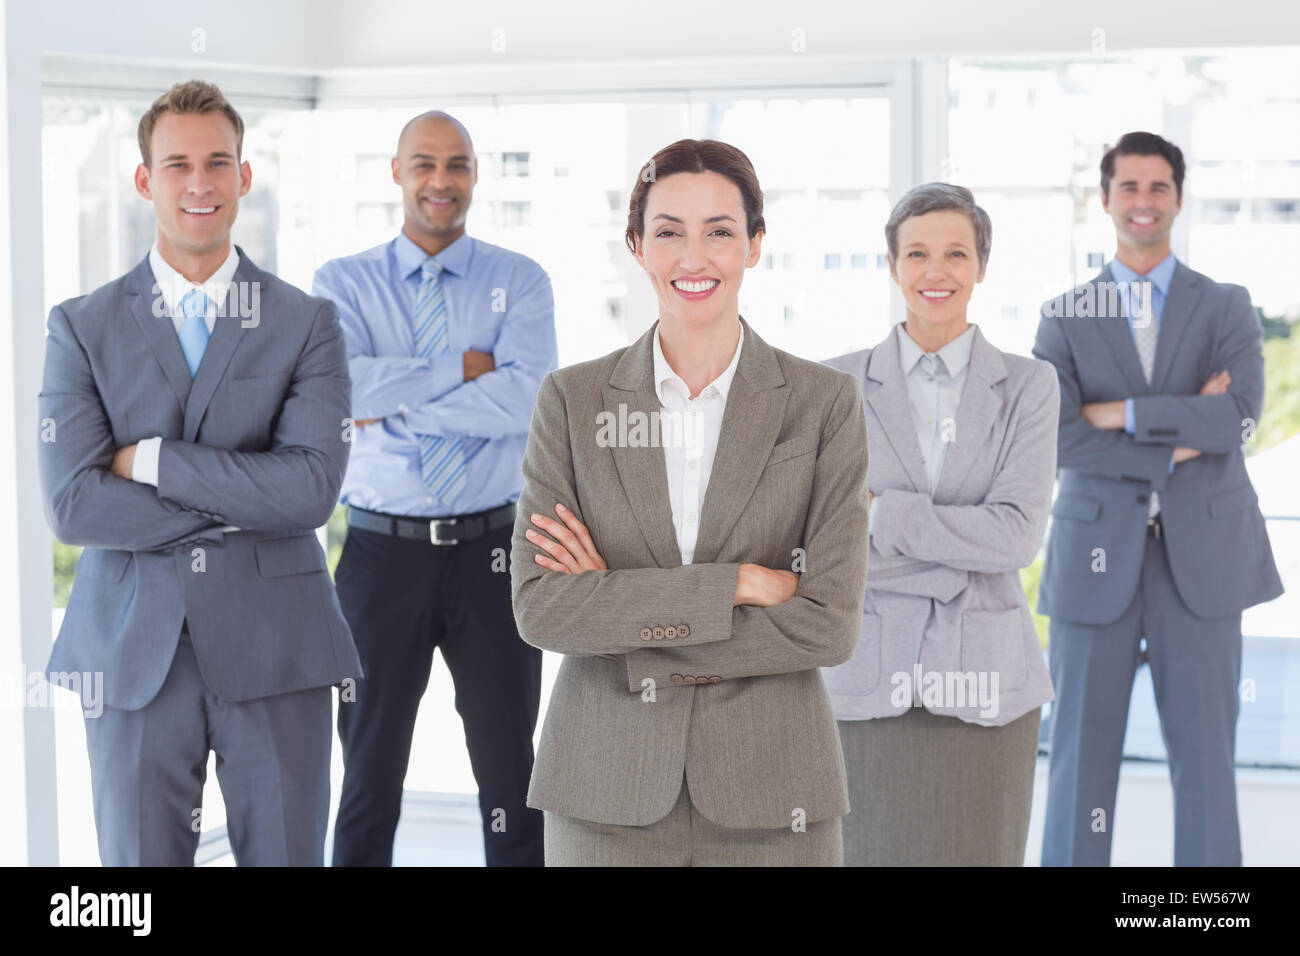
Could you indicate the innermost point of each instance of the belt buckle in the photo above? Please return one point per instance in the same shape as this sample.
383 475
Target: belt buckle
433 531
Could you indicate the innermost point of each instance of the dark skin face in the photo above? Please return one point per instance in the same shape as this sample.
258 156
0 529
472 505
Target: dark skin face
437 171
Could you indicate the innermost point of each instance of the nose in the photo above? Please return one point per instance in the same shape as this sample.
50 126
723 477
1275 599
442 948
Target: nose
693 257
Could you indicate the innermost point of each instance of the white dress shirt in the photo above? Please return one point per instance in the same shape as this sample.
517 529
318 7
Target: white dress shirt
934 385
174 288
689 430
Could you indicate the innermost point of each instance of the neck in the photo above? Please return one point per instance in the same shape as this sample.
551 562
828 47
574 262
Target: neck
431 244
196 267
1142 259
932 336
699 353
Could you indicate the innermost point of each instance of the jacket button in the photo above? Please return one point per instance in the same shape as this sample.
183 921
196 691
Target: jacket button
689 678
683 630
659 633
645 634
677 679
670 632
715 679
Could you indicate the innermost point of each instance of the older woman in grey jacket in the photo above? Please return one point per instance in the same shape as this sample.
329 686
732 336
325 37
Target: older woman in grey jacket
938 708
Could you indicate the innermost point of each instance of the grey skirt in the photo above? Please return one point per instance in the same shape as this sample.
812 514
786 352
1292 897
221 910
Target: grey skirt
926 790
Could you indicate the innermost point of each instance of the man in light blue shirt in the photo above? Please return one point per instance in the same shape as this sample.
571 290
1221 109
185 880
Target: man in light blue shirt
448 341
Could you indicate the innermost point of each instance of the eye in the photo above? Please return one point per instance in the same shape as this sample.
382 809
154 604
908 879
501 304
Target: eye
724 232
663 233
958 252
915 252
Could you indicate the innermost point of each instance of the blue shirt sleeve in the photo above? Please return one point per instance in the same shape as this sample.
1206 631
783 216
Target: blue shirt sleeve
1130 424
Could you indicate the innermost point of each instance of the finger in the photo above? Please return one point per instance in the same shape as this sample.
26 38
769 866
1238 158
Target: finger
546 562
557 551
560 533
578 528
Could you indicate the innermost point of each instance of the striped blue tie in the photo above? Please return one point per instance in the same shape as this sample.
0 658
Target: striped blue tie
443 460
194 330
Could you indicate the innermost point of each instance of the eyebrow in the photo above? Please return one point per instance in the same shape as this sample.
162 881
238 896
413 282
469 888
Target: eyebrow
722 218
952 243
1156 182
217 155
428 156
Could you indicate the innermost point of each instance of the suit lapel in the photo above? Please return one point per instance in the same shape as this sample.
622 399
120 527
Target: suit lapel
157 329
977 410
886 393
227 333
1179 313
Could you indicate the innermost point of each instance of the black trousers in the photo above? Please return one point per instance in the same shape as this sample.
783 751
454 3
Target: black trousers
402 598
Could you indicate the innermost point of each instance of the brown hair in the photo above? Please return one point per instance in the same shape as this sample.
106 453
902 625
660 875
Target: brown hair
192 96
696 156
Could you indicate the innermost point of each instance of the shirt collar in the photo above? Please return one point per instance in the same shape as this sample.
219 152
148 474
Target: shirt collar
453 259
174 286
1161 275
955 355
664 372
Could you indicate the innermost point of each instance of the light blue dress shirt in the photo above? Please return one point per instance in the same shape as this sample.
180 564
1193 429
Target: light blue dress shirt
1160 277
498 301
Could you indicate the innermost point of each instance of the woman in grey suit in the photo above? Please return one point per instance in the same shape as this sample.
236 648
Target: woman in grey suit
939 706
692 538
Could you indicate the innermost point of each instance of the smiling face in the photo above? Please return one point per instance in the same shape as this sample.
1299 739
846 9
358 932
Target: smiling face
937 267
1142 200
436 168
194 181
694 247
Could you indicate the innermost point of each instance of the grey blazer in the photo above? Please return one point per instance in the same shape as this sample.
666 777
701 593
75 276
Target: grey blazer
256 440
944 588
1218 547
661 674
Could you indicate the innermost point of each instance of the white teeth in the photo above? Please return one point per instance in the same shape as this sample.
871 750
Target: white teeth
935 294
1143 220
201 209
702 286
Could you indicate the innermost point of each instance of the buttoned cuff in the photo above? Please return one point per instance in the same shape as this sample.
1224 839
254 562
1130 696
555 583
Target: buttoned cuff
145 467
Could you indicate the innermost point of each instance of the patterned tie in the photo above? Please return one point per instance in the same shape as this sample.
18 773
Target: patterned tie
194 331
443 460
1142 309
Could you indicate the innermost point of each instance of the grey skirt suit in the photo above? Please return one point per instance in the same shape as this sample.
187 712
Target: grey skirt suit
671 705
946 778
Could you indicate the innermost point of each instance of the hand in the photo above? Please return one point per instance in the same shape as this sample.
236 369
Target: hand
1104 414
764 587
476 363
124 462
572 550
1183 453
1217 384
363 422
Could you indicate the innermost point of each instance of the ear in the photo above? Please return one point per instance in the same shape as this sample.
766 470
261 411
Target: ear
475 169
142 181
245 178
755 250
396 166
1105 204
893 272
980 278
638 251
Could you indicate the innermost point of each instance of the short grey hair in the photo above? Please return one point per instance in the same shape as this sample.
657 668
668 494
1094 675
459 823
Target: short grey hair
936 197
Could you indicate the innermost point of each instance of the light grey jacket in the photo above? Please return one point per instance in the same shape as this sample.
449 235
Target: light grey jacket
661 674
944 589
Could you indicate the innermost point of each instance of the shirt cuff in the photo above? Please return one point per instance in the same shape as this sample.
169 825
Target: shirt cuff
145 467
1172 460
1130 423
871 515
448 372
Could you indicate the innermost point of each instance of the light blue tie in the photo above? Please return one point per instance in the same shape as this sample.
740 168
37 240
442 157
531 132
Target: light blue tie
194 331
443 460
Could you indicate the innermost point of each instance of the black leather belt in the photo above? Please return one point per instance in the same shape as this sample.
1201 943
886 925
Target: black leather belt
441 531
1155 527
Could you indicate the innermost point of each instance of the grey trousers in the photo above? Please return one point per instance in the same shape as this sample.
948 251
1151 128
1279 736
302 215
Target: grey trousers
927 790
685 837
148 766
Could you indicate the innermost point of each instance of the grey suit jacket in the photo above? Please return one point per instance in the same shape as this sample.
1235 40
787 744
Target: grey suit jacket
944 588
255 440
661 674
1218 547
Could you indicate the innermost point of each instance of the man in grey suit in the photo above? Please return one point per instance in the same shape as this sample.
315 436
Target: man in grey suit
1157 541
194 416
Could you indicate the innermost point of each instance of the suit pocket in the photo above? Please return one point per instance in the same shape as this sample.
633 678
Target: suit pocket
1237 499
103 565
1078 507
278 557
794 447
994 642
